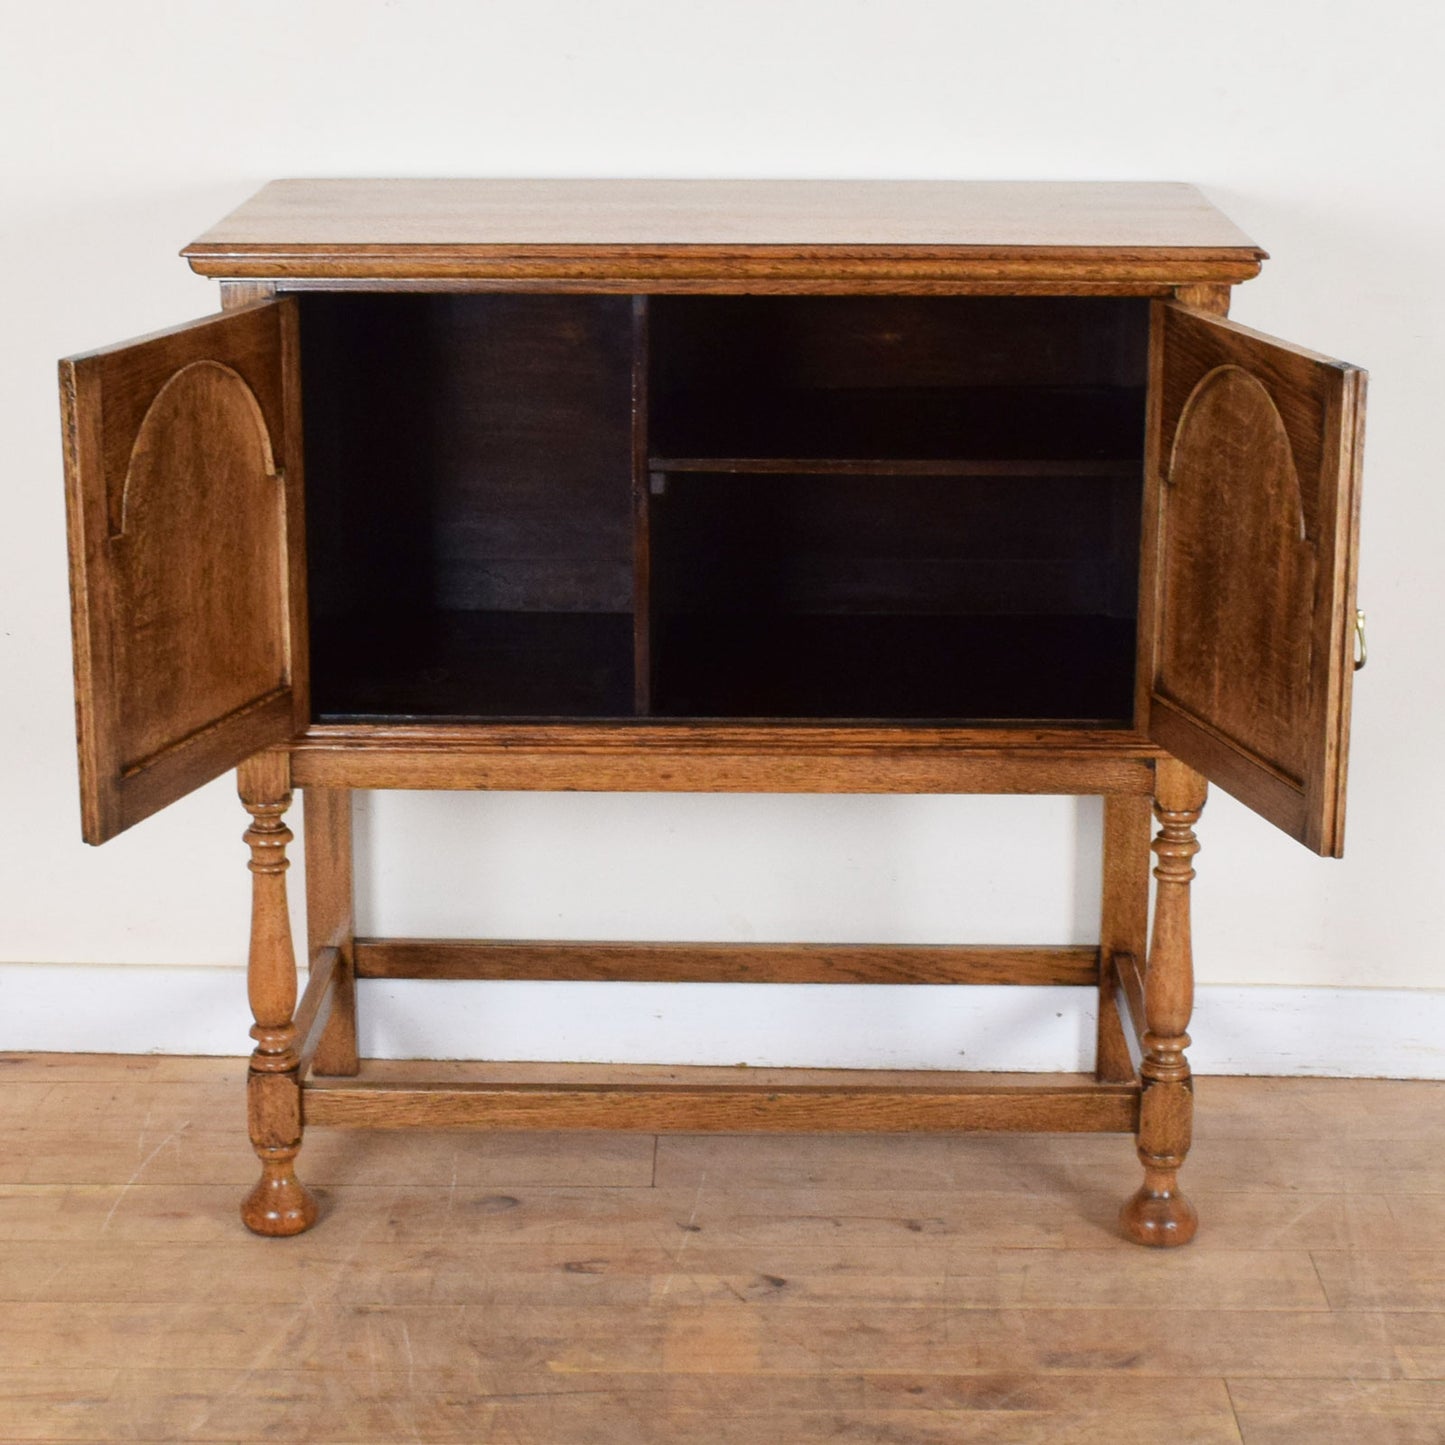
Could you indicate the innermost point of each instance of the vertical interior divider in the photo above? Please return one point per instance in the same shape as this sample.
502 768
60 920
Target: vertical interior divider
642 612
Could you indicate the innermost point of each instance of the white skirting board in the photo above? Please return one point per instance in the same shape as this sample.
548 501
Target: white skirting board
1333 1032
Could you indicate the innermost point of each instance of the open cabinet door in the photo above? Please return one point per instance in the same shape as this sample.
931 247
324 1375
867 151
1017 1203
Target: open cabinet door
1252 519
183 495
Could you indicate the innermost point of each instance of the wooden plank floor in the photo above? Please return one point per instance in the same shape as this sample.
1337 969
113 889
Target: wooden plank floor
558 1289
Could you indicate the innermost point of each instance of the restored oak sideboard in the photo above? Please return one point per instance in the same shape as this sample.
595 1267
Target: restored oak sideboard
717 486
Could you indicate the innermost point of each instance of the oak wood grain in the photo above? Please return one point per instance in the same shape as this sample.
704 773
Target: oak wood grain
330 920
1255 452
1123 925
726 758
313 1012
638 235
183 473
683 1107
1159 1213
1129 999
278 1204
726 212
724 962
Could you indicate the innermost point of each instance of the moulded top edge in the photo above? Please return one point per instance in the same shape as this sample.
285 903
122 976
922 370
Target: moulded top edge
304 221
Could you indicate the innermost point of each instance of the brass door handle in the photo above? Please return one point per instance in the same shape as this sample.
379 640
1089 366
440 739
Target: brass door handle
1362 651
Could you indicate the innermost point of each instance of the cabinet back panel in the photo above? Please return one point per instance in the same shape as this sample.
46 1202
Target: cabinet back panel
911 597
475 665
469 524
470 528
897 376
903 341
468 453
927 669
897 544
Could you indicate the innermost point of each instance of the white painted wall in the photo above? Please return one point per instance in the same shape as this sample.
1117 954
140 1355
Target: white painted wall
127 129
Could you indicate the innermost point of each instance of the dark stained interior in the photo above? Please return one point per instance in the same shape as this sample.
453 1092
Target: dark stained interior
606 507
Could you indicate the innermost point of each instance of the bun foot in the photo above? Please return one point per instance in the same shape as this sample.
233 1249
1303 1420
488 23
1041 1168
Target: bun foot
1159 1215
280 1204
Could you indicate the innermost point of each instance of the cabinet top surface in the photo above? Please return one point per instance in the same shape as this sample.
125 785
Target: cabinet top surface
622 228
721 213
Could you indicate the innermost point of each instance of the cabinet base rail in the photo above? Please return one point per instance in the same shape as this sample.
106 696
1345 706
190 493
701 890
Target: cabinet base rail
724 1107
582 962
693 1099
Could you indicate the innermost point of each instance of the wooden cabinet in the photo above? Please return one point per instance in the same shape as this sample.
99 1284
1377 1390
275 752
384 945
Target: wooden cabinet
770 486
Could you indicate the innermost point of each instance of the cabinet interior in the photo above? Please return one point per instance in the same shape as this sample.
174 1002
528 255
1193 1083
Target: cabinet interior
612 507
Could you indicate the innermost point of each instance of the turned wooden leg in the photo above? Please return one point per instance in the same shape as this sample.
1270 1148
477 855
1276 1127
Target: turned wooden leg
330 921
1159 1214
279 1204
